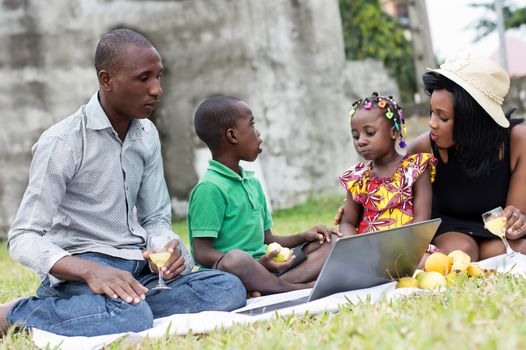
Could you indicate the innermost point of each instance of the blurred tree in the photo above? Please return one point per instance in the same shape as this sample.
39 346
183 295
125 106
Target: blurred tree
369 32
514 17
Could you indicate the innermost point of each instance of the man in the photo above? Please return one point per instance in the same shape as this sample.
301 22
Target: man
96 192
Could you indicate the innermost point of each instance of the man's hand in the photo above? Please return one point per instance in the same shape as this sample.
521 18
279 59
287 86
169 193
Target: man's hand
320 233
273 266
175 264
115 283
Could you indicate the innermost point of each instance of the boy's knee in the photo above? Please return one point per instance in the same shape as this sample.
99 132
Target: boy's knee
236 262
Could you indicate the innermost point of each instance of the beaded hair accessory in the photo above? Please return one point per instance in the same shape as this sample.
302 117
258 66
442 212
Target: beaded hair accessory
393 111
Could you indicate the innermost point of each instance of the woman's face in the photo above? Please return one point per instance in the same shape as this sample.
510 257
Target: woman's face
442 118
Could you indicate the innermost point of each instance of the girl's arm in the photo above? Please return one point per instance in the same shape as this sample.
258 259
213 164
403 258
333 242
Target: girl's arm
422 195
515 209
352 212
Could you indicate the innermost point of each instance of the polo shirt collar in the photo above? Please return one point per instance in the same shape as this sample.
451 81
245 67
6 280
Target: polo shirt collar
98 120
229 173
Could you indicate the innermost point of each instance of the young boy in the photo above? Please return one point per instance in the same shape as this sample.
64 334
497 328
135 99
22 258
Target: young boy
228 220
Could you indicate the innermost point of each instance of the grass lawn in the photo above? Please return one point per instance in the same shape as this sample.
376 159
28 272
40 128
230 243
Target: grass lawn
479 314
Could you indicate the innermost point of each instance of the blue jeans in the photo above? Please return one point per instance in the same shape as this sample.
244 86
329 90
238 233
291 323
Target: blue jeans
72 309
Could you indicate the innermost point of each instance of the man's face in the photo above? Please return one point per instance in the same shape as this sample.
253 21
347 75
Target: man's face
135 83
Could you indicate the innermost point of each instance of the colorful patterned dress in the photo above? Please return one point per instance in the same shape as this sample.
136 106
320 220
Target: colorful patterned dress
386 202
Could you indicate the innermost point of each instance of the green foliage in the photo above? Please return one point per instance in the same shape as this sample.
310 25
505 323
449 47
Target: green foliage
368 32
514 18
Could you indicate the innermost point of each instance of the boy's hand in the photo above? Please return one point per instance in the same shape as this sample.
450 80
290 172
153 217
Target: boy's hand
320 233
175 264
273 266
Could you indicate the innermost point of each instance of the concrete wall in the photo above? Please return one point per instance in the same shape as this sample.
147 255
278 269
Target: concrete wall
284 57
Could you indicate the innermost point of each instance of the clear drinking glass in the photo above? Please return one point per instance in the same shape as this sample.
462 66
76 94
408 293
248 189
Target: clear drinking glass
494 222
159 255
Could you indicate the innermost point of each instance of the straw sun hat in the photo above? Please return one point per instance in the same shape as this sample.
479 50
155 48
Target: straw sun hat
483 79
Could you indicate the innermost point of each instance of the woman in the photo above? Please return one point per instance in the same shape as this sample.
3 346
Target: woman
481 156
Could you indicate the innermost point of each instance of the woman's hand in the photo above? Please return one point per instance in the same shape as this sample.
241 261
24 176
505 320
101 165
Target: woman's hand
338 217
515 223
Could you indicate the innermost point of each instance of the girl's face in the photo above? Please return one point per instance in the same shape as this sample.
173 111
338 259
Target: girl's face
373 134
442 118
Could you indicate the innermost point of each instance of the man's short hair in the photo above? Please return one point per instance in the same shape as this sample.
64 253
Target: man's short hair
112 47
213 117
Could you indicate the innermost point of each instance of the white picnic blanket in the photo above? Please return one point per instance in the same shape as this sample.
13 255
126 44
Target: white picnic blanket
204 322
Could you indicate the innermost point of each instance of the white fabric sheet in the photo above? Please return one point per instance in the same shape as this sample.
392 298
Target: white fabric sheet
207 321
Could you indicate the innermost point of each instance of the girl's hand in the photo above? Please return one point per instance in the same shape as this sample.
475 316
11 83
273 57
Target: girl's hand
515 223
320 233
274 266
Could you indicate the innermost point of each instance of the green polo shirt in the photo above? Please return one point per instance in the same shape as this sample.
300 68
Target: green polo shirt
231 208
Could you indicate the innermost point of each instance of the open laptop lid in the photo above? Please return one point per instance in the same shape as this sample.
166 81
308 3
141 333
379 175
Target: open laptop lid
370 259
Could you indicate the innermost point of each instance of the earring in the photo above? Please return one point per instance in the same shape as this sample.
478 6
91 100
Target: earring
393 137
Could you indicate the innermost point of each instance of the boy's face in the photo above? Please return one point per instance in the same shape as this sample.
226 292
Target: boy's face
248 136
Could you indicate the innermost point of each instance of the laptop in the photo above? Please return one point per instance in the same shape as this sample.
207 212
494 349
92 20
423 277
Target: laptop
366 260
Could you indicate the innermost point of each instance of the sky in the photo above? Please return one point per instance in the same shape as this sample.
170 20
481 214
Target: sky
449 19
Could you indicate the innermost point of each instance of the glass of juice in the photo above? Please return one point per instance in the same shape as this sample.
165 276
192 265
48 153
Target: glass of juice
494 222
159 255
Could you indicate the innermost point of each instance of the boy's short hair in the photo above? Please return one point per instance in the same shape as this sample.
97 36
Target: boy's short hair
213 117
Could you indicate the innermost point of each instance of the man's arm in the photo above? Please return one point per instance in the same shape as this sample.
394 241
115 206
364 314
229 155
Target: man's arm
101 279
52 167
153 202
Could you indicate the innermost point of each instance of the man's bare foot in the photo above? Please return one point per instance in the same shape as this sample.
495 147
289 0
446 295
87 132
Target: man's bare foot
4 310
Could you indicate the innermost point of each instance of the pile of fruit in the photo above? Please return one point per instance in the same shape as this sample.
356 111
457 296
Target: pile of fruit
441 270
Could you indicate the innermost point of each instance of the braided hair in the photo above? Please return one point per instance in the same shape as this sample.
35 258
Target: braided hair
391 109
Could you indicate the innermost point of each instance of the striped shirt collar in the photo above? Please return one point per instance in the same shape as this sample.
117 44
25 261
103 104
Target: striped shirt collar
98 120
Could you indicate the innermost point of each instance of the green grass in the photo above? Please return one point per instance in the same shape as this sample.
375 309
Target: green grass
479 314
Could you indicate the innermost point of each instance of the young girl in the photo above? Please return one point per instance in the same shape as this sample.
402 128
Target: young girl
390 190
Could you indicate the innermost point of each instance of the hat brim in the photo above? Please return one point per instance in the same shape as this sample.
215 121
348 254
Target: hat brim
491 107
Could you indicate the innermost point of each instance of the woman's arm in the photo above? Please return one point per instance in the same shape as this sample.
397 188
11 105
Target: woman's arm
516 200
421 144
422 197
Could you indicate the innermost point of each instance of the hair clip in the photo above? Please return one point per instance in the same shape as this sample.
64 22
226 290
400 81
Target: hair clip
382 104
389 114
352 112
367 105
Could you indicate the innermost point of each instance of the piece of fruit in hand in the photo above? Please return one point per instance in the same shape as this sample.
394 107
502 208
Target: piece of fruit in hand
283 255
